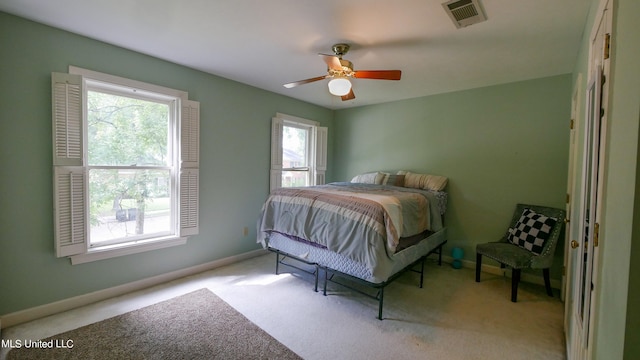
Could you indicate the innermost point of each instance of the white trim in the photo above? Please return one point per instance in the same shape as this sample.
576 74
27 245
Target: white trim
108 252
122 82
292 118
41 311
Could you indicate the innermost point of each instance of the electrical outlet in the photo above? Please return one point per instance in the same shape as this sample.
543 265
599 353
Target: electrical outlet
245 231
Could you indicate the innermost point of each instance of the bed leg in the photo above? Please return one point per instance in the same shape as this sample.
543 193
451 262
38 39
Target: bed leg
277 262
326 279
315 287
440 256
478 266
380 301
422 271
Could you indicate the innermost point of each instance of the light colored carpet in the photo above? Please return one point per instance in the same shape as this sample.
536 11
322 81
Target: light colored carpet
198 325
452 317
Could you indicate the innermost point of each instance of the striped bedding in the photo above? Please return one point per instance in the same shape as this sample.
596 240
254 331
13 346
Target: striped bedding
363 222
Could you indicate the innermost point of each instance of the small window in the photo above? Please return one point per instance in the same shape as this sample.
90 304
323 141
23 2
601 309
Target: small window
131 179
298 154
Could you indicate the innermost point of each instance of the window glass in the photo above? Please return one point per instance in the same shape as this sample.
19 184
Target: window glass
128 204
126 131
295 156
130 161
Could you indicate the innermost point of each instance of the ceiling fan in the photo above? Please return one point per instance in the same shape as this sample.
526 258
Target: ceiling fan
340 70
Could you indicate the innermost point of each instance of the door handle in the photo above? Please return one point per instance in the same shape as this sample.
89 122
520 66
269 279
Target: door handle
574 244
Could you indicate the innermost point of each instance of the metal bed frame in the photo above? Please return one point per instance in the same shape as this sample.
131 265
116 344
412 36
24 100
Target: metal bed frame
329 274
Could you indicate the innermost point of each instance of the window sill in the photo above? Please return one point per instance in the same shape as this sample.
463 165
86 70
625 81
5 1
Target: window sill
111 251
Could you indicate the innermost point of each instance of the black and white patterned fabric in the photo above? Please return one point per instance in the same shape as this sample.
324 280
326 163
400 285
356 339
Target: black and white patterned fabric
531 231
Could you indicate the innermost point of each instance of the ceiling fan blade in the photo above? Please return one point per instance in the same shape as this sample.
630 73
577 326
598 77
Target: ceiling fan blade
332 61
378 74
302 82
349 96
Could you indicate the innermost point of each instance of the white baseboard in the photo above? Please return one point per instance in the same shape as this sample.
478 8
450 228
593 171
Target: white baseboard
497 270
41 311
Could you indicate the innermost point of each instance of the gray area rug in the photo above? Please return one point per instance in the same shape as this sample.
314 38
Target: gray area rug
197 325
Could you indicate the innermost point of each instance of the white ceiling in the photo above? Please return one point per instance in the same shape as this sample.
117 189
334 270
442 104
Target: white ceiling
269 43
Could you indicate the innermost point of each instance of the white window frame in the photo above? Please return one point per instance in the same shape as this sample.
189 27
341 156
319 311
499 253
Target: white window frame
317 149
71 203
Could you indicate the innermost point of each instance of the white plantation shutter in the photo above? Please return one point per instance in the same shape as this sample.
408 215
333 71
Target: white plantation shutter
189 168
69 182
67 93
275 180
189 134
321 154
70 225
189 188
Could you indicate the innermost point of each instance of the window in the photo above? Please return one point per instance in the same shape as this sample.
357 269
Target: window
298 152
125 165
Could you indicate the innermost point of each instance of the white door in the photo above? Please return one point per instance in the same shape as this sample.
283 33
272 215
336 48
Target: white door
583 257
566 294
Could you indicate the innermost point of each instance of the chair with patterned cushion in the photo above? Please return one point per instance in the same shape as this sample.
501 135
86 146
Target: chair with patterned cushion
530 243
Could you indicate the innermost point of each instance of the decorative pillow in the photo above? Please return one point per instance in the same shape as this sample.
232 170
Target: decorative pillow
393 179
424 181
369 178
531 231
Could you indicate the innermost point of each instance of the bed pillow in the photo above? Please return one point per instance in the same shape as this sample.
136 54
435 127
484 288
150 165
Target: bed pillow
369 178
393 179
424 181
532 231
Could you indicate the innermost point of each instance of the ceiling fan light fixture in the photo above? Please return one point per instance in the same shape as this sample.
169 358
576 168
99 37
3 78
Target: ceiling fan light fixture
339 86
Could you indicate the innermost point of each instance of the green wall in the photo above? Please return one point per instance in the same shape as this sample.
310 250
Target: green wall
498 146
234 148
619 285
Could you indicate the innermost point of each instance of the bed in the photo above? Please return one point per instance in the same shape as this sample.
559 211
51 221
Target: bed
369 232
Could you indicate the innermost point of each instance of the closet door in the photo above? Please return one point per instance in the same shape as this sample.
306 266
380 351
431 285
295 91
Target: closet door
585 246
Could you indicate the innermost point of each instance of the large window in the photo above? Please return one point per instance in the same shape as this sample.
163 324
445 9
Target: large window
298 152
131 162
126 167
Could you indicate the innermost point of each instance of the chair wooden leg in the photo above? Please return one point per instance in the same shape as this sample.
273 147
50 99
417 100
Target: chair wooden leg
547 281
515 279
478 266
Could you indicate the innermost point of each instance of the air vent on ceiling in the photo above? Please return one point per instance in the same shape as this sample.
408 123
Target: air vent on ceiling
464 12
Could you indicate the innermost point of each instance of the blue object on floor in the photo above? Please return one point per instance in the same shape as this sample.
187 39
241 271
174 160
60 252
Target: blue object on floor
457 254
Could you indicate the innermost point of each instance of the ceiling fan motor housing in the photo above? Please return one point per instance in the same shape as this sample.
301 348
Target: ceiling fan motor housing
340 49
